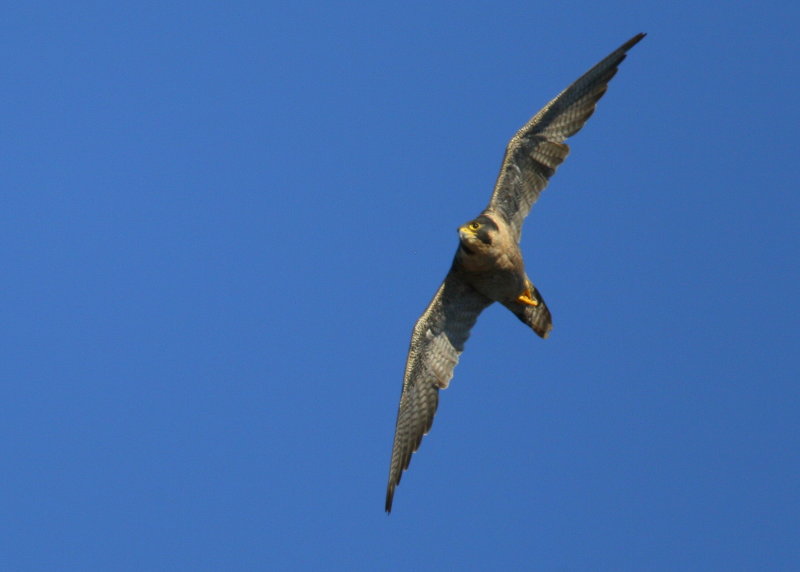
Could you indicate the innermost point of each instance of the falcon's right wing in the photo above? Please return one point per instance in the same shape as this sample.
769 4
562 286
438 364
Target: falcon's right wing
437 341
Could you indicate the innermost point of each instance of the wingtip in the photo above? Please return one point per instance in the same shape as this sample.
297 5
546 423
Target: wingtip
633 41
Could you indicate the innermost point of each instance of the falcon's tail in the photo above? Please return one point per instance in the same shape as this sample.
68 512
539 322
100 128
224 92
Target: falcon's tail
536 317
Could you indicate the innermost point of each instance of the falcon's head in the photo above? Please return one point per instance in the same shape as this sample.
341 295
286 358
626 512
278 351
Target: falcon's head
478 235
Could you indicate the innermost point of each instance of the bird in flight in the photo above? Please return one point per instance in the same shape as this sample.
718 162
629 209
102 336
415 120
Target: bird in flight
488 265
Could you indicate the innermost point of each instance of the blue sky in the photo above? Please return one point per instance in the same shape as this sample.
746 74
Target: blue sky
220 222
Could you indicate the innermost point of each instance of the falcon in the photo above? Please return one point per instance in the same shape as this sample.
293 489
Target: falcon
488 265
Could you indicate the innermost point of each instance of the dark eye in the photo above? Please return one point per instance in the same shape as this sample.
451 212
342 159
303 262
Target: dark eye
474 225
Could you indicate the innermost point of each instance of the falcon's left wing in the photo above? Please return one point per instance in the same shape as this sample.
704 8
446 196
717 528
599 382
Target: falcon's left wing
536 150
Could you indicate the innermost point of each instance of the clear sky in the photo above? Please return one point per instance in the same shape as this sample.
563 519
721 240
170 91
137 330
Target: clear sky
221 220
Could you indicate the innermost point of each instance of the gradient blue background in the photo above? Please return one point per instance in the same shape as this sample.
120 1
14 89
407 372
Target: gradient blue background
220 221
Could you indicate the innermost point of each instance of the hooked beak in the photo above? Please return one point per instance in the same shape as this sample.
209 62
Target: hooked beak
465 231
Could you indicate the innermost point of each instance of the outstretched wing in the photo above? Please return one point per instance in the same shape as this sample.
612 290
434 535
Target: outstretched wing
534 153
436 342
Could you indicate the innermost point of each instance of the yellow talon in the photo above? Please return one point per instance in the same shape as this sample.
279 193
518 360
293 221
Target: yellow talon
527 298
